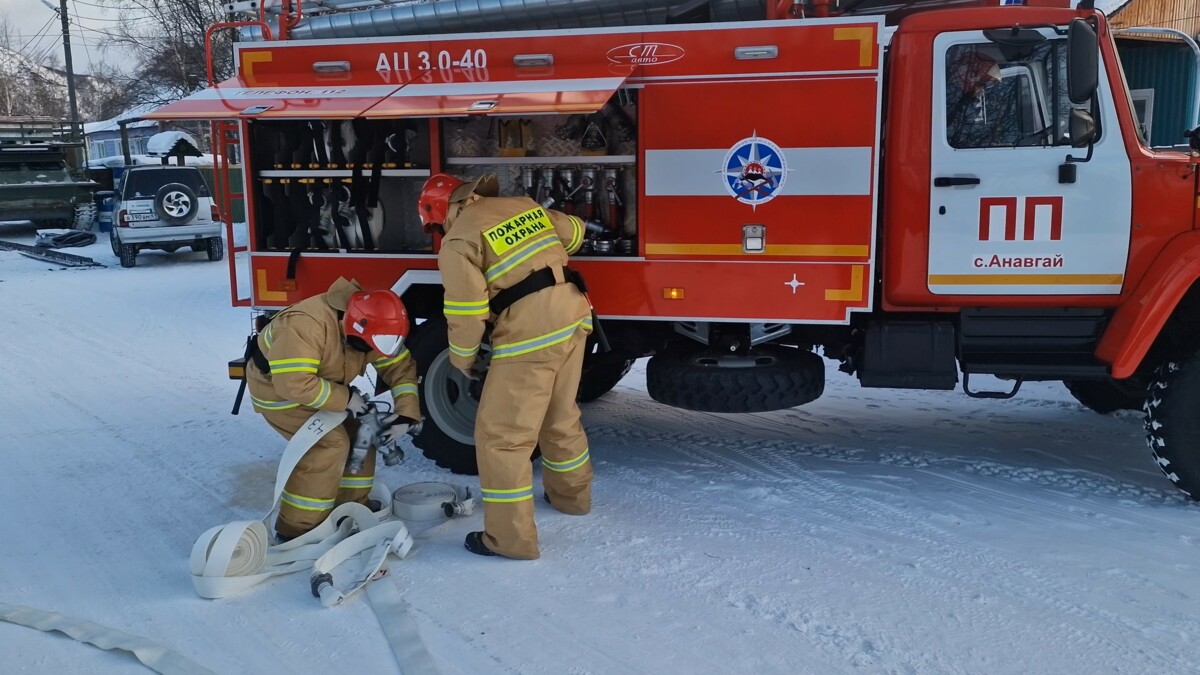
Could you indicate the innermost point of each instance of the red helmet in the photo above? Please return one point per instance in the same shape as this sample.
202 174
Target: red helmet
434 202
379 319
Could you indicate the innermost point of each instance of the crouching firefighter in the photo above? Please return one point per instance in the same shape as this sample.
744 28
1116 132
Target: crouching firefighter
303 361
503 262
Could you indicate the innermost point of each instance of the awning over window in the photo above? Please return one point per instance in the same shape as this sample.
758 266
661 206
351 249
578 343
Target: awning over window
507 90
305 96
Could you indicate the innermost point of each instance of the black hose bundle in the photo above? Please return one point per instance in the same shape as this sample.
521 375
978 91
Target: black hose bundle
66 239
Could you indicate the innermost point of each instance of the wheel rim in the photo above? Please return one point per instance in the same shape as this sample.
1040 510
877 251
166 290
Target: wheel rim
176 204
448 401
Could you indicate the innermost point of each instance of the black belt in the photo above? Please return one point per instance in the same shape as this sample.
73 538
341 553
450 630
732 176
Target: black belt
536 281
539 281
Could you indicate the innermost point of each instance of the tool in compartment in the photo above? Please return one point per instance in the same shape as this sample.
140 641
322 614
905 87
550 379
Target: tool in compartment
614 213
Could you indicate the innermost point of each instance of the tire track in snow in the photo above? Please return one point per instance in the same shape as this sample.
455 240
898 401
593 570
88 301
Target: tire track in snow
763 461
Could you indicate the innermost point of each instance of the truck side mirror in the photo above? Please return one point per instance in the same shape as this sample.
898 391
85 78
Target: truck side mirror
1083 62
1083 128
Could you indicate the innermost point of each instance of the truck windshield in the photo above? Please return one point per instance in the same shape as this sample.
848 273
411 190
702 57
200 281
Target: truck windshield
145 184
993 102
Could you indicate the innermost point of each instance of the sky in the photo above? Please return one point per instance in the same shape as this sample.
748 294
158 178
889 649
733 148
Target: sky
39 30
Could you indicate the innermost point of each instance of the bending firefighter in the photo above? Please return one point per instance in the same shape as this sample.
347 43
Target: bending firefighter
303 361
503 262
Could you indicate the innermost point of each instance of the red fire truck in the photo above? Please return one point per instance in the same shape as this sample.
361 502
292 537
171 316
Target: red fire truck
917 195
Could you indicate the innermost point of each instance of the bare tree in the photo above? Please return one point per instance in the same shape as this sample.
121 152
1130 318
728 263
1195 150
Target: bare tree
167 39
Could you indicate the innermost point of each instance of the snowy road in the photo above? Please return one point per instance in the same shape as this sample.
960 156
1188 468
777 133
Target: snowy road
873 531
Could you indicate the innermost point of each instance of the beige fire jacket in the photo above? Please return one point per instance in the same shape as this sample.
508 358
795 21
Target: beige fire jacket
311 364
490 245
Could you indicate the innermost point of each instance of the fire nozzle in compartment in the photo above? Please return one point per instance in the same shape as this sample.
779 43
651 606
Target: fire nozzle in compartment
529 182
568 186
612 190
587 184
547 195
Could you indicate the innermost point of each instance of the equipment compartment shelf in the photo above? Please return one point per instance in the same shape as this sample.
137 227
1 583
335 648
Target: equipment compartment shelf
542 161
341 173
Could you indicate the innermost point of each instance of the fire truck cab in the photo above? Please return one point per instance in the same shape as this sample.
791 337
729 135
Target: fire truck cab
926 198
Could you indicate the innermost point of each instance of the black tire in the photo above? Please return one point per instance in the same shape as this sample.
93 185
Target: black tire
601 372
1104 396
115 241
442 404
176 204
1172 425
768 378
128 255
85 216
215 248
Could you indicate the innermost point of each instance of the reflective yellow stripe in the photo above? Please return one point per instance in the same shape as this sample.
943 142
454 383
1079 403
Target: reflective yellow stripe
463 351
454 308
293 366
533 247
576 234
357 482
384 363
306 503
266 336
539 342
404 390
272 405
569 465
513 495
323 396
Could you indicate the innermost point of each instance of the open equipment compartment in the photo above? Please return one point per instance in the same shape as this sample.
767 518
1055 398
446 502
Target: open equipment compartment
330 185
583 164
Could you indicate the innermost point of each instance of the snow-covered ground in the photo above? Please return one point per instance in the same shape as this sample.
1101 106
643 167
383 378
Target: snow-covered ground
873 531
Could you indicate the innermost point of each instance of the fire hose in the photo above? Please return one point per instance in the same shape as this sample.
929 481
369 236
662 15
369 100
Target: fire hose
231 558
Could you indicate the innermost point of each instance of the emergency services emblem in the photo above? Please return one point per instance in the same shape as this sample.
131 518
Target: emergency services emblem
755 170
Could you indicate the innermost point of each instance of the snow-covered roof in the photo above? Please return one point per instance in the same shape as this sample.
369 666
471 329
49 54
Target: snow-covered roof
164 143
114 123
117 161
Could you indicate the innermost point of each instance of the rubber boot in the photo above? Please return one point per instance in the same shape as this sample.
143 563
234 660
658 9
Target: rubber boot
474 544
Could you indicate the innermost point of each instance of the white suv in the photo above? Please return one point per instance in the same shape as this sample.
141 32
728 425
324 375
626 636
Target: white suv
164 207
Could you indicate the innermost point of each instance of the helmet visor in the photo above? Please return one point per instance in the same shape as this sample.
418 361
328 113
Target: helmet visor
388 345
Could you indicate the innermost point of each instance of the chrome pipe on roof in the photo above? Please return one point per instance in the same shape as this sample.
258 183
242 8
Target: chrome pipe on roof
467 16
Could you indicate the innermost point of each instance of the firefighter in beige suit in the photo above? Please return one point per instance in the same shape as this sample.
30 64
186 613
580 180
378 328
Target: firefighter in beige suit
503 261
304 361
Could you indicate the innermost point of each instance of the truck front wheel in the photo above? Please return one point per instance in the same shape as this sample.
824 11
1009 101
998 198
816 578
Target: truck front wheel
1172 425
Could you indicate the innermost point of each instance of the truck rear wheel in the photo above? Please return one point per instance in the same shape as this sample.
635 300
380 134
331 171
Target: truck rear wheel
766 378
1172 425
1104 396
601 372
448 401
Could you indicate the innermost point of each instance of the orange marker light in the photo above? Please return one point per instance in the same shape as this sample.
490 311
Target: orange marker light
672 293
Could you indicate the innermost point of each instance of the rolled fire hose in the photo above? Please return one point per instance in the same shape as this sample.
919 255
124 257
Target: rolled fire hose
231 558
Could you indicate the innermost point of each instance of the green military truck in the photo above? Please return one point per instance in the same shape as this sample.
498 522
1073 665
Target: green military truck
42 176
